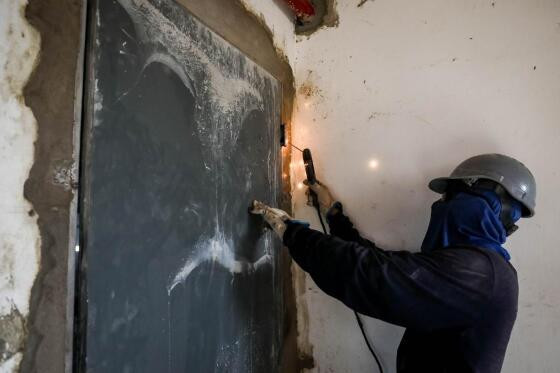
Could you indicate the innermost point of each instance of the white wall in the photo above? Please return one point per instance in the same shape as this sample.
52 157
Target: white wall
19 235
420 86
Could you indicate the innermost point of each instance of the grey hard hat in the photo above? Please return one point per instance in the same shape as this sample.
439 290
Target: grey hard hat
511 174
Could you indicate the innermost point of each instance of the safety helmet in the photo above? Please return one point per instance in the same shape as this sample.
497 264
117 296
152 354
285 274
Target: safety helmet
508 172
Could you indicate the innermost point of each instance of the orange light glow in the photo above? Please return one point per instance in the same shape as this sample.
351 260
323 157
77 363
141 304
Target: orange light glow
373 164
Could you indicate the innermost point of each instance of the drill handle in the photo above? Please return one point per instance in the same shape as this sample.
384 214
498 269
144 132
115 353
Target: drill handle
312 198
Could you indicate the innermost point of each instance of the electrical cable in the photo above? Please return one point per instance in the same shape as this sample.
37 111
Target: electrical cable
297 148
358 318
368 343
320 218
310 173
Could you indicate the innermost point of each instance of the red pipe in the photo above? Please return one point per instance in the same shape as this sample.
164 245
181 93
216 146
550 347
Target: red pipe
302 8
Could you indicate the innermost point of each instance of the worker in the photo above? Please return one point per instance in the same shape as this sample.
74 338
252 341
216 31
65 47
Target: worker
457 297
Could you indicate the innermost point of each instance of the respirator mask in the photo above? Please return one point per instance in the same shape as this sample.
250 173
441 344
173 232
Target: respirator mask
510 211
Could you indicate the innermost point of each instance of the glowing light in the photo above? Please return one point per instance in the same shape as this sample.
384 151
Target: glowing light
300 185
373 164
296 165
306 104
284 175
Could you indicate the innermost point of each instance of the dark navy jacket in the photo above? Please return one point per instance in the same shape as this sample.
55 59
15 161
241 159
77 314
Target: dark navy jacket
458 304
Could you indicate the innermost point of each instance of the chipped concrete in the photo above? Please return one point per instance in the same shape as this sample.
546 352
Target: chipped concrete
308 88
65 174
12 334
50 93
281 34
308 92
19 235
325 16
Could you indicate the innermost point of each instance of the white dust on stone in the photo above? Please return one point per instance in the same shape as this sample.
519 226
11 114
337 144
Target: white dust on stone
218 250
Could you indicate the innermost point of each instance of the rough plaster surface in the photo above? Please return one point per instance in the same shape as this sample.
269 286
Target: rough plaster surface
50 93
418 87
19 235
277 19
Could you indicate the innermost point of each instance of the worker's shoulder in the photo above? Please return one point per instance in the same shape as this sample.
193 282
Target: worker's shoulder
465 255
476 261
504 284
470 262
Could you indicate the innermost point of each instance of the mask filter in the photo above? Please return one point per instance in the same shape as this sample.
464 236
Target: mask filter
511 210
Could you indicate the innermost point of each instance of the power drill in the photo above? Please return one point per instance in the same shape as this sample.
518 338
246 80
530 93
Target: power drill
310 173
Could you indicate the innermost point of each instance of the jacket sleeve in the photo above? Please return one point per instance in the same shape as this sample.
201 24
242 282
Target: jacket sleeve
341 226
443 289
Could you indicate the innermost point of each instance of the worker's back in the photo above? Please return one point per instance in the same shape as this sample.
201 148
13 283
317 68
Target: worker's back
479 348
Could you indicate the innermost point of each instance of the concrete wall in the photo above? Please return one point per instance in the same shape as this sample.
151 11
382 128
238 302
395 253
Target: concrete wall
418 87
37 93
19 234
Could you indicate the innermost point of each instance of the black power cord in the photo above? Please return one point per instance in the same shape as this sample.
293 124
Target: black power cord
368 343
358 318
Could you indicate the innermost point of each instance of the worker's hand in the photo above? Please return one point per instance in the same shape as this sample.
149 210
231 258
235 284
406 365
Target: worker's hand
324 195
275 218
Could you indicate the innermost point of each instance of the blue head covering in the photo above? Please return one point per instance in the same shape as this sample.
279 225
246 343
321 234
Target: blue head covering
469 219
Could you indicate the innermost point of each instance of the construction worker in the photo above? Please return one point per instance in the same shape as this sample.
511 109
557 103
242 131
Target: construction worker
457 298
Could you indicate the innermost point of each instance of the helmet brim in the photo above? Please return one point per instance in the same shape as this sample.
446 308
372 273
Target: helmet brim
439 185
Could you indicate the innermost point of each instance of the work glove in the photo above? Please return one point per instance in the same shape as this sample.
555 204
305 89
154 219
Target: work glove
277 219
324 195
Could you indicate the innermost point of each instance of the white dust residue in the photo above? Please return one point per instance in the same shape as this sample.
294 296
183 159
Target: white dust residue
226 88
232 357
173 65
130 312
218 250
97 104
222 99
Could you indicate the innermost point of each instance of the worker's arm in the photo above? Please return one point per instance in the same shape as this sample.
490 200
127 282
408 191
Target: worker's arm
341 226
444 289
